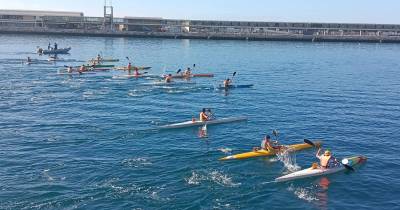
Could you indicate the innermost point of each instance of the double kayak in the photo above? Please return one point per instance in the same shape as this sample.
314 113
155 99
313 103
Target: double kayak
313 172
181 76
221 87
53 51
264 153
200 123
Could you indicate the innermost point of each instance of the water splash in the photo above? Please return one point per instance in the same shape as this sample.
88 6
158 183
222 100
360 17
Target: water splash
288 160
211 176
136 162
304 193
225 150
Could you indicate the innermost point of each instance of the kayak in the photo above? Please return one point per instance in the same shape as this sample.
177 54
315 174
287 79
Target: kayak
235 86
264 153
310 172
104 60
200 123
52 51
134 76
133 68
98 66
179 76
75 73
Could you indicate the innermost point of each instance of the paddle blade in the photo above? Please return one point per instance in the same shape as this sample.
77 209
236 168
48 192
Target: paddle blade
234 73
179 71
309 142
349 167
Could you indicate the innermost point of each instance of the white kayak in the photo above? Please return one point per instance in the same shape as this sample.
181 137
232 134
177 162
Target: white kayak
200 123
311 172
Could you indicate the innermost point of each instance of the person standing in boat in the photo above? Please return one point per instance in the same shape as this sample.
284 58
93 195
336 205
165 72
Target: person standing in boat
49 46
203 116
55 46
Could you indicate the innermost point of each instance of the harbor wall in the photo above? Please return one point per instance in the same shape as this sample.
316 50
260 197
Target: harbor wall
197 35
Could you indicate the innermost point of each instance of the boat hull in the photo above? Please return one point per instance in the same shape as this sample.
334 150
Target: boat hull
201 123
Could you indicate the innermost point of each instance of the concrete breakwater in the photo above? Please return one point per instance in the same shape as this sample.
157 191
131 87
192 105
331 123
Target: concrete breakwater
75 23
204 35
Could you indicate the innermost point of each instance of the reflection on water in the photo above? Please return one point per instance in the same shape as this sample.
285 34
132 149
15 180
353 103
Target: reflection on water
322 193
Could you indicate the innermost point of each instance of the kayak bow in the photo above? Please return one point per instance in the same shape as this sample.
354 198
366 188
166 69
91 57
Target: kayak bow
310 172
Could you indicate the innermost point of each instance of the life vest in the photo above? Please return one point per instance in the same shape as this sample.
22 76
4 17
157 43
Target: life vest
203 117
325 161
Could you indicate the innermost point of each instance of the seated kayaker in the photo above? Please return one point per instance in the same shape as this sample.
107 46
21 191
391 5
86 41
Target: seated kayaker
98 58
326 159
203 115
69 69
129 67
168 79
227 82
82 69
136 71
187 72
266 144
29 59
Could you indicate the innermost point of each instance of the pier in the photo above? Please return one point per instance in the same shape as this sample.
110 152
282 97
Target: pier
75 23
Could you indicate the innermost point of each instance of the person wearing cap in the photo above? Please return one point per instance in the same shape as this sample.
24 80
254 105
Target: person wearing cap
326 159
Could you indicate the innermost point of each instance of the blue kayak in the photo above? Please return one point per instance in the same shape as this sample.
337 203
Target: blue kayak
235 86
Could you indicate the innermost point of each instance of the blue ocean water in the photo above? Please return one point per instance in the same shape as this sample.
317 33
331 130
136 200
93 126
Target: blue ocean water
88 142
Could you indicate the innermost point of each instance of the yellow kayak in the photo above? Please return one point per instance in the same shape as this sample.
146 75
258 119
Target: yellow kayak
263 153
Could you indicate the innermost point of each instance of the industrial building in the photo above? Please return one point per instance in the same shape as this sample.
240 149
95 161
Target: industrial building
75 23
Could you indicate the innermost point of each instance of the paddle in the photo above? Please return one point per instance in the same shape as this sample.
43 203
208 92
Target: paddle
179 71
234 74
309 142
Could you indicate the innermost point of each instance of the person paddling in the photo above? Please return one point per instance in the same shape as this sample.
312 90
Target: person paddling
266 144
227 82
203 115
29 60
136 71
326 159
82 69
69 69
168 79
187 72
98 58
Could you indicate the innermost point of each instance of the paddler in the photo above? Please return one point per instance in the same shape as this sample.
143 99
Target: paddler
187 72
227 82
168 79
203 115
82 69
29 60
266 144
129 67
69 69
98 58
326 159
136 71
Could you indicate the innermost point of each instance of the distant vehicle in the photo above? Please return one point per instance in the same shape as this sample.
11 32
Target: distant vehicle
53 51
